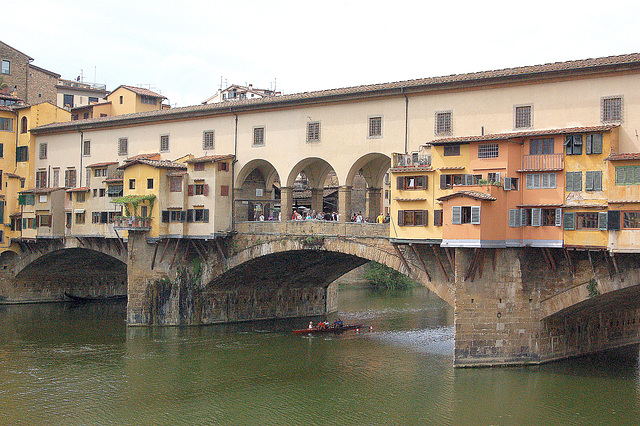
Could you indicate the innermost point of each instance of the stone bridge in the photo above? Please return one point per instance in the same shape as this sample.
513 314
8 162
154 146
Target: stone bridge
512 306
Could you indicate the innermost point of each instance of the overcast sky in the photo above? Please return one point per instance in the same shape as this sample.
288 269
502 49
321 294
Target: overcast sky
183 49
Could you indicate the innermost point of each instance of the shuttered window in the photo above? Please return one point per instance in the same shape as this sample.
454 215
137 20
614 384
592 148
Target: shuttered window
593 143
456 215
569 221
593 180
573 181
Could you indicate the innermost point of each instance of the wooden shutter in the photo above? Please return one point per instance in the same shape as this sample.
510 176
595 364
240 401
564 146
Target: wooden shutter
619 175
190 215
400 217
569 221
165 216
597 181
456 215
588 180
425 218
507 184
613 220
400 182
468 179
205 215
602 221
577 181
558 217
205 189
536 217
523 217
104 217
190 189
513 213
425 182
437 218
443 181
475 215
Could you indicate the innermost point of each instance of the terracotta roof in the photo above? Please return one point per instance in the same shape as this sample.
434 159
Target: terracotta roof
621 157
158 164
629 201
149 156
4 108
108 163
451 168
424 85
409 199
13 175
40 190
584 206
476 195
113 180
211 158
538 205
412 169
80 189
141 91
176 174
524 134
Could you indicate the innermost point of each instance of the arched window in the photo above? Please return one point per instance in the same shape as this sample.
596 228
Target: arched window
24 125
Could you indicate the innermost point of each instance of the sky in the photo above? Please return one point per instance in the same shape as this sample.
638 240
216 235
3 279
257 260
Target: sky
187 49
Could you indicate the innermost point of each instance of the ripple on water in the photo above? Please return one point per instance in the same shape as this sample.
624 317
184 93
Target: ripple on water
436 341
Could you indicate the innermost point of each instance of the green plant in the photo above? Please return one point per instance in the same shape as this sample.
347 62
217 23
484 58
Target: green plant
381 277
482 182
312 241
592 288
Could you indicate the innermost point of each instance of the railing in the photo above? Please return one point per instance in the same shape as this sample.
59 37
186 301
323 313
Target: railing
411 160
543 162
121 222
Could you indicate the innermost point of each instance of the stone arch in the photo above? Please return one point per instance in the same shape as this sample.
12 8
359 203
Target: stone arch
372 167
314 168
316 171
350 254
257 191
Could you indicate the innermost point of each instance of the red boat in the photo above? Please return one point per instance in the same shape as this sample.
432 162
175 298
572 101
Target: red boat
335 329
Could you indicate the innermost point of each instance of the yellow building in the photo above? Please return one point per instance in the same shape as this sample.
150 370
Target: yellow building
623 216
123 100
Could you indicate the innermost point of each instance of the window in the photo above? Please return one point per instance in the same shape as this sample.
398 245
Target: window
6 124
114 191
123 146
44 220
164 143
6 67
23 125
412 182
611 108
208 141
175 184
101 192
541 146
174 216
223 166
85 115
511 183
258 136
451 150
200 215
313 132
493 177
413 217
41 179
198 167
631 220
198 189
132 184
95 217
593 180
93 100
150 183
80 218
573 181
443 123
375 127
587 220
573 144
70 178
447 181
86 148
437 217
99 172
56 178
121 100
541 180
522 117
1 150
151 100
43 151
488 150
68 220
627 175
224 190
594 144
465 214
68 101
88 180
81 197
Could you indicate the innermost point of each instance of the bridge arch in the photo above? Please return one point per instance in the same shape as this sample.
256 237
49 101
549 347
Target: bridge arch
372 166
256 192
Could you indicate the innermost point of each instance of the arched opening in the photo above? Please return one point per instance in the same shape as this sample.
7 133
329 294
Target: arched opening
257 192
370 171
23 125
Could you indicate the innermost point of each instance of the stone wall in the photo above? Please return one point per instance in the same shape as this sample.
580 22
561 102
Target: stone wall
18 75
42 87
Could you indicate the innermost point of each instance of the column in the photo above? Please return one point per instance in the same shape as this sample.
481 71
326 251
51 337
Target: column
344 203
316 199
374 203
286 203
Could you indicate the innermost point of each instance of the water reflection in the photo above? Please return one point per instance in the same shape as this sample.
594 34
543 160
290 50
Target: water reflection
81 365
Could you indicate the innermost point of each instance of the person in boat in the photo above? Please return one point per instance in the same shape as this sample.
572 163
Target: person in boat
338 323
310 325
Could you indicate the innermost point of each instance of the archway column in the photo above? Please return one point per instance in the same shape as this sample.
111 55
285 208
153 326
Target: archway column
374 203
286 203
344 202
316 199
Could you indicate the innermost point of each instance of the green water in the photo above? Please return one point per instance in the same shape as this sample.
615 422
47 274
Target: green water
65 364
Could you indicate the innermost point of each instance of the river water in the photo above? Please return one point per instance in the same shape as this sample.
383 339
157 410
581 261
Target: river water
79 364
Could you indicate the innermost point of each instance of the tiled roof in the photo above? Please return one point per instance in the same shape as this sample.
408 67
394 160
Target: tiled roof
148 156
211 158
39 190
13 175
424 85
621 157
476 195
412 169
538 205
141 91
158 164
628 201
80 189
113 180
108 163
584 206
524 134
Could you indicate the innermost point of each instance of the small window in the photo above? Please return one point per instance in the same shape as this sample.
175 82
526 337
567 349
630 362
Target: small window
6 124
224 190
443 123
413 217
43 151
86 148
41 179
208 140
573 144
488 150
123 146
593 180
611 109
22 153
70 178
164 143
313 131
132 184
56 177
68 101
121 100
258 136
631 220
198 167
586 220
451 150
175 184
23 125
375 127
80 218
150 183
627 175
223 166
541 180
593 144
522 117
6 67
541 146
81 197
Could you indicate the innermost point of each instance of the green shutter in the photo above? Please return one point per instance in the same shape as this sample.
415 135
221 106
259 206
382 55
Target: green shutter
597 181
588 180
569 221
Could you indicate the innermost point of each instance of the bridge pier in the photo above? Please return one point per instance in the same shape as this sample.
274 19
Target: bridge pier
344 203
286 203
373 203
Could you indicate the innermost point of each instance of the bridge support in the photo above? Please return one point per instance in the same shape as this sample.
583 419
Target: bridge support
374 203
316 199
286 203
344 203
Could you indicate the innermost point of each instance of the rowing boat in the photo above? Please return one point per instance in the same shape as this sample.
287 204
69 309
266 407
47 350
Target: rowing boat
335 329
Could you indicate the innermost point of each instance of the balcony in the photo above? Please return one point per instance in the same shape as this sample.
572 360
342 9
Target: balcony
542 162
411 160
132 223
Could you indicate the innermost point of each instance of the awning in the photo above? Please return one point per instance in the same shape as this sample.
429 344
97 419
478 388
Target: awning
78 211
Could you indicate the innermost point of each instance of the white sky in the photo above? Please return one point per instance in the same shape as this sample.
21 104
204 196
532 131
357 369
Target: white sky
182 49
